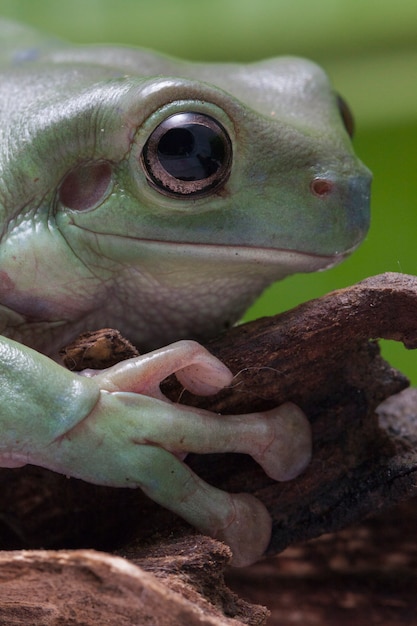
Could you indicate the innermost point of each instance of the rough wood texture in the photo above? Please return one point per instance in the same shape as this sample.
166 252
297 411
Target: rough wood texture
319 356
84 588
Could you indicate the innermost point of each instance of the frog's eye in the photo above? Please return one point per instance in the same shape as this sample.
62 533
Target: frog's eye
86 186
188 155
346 115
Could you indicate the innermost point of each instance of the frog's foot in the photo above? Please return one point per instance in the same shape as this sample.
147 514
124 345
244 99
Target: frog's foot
132 436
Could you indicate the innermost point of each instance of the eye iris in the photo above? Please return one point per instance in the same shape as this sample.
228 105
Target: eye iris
187 154
193 152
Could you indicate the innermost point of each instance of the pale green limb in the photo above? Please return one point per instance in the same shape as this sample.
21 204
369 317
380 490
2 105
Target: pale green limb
91 429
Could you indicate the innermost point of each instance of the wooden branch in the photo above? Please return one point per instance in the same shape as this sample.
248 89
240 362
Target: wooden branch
322 355
87 588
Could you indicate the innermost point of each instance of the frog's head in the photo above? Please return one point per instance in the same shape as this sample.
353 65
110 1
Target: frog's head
169 203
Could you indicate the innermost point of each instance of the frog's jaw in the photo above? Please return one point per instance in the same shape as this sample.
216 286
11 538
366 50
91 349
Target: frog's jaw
189 291
157 292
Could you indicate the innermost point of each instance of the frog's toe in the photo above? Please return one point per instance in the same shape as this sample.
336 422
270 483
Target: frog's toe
289 449
196 369
249 533
206 374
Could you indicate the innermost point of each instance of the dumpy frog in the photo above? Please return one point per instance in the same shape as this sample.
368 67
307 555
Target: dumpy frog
158 197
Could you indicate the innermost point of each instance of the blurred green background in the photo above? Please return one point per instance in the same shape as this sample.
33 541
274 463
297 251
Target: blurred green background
369 48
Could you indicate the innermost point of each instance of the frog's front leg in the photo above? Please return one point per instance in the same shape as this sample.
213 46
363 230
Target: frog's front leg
102 430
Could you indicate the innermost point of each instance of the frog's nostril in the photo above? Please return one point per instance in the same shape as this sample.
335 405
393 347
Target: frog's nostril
321 187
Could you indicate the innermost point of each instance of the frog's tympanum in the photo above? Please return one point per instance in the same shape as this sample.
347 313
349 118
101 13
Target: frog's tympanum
158 197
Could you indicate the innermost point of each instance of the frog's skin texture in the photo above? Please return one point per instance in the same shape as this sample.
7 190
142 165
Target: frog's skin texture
109 219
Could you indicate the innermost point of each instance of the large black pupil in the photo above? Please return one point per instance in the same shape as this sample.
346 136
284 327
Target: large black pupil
191 152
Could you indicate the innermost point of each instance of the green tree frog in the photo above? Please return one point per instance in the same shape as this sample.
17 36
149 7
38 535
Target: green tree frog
158 197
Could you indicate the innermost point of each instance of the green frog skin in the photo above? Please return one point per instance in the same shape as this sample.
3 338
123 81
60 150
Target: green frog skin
158 197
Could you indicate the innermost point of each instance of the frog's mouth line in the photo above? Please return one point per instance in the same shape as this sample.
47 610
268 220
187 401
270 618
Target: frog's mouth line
293 260
136 249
